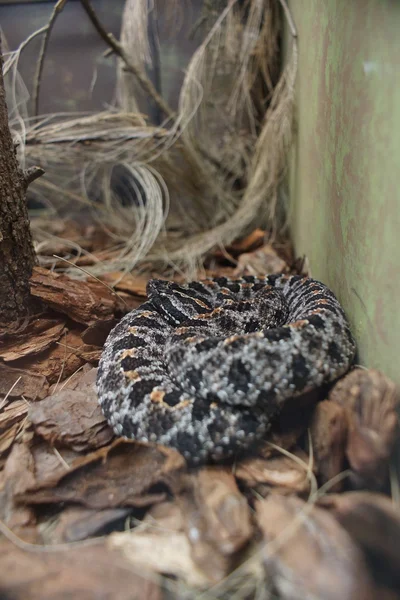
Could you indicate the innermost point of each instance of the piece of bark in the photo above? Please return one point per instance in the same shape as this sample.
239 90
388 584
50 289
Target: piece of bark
59 361
85 573
329 434
281 473
119 475
71 418
84 302
20 382
370 401
216 519
308 555
373 521
37 335
96 334
135 285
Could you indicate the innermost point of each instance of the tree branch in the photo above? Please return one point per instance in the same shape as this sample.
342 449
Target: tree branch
110 40
39 67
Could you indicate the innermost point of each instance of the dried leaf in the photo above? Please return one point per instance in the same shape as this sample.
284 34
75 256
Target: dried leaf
308 555
121 474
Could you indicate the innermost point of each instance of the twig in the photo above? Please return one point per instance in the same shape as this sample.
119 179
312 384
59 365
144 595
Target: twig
39 67
31 174
110 40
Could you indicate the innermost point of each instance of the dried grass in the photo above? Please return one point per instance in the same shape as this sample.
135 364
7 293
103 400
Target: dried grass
196 183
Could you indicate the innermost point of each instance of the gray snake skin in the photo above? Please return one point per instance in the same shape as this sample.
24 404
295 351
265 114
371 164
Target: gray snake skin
204 367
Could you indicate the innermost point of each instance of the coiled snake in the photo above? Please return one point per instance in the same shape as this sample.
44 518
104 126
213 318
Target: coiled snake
204 367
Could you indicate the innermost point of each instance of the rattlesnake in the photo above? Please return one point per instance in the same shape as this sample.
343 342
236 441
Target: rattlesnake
204 367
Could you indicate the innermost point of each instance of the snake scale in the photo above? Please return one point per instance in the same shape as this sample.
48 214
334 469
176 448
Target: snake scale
204 367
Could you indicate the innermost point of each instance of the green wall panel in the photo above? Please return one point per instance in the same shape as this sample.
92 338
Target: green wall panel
345 168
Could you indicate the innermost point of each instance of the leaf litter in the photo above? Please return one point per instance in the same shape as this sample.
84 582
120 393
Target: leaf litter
296 520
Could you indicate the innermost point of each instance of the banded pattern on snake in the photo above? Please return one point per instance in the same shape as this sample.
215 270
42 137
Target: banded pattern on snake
204 367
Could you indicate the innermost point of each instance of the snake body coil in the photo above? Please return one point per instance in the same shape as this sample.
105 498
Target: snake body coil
204 367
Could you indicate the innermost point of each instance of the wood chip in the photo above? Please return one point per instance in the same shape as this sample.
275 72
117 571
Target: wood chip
119 475
370 401
373 521
216 519
22 383
84 302
59 361
71 418
38 335
279 472
85 573
308 555
264 261
329 434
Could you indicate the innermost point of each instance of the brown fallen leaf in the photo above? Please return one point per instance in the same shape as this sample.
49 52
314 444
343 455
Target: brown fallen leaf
279 472
20 382
85 573
373 521
38 335
122 474
84 302
370 401
308 555
216 519
264 261
329 434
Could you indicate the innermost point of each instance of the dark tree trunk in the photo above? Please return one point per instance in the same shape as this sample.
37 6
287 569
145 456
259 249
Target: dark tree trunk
17 255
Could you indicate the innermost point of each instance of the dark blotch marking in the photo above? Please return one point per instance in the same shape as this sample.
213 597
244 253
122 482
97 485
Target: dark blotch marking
129 341
279 333
172 398
132 363
316 321
240 375
207 344
334 352
301 372
148 323
141 388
